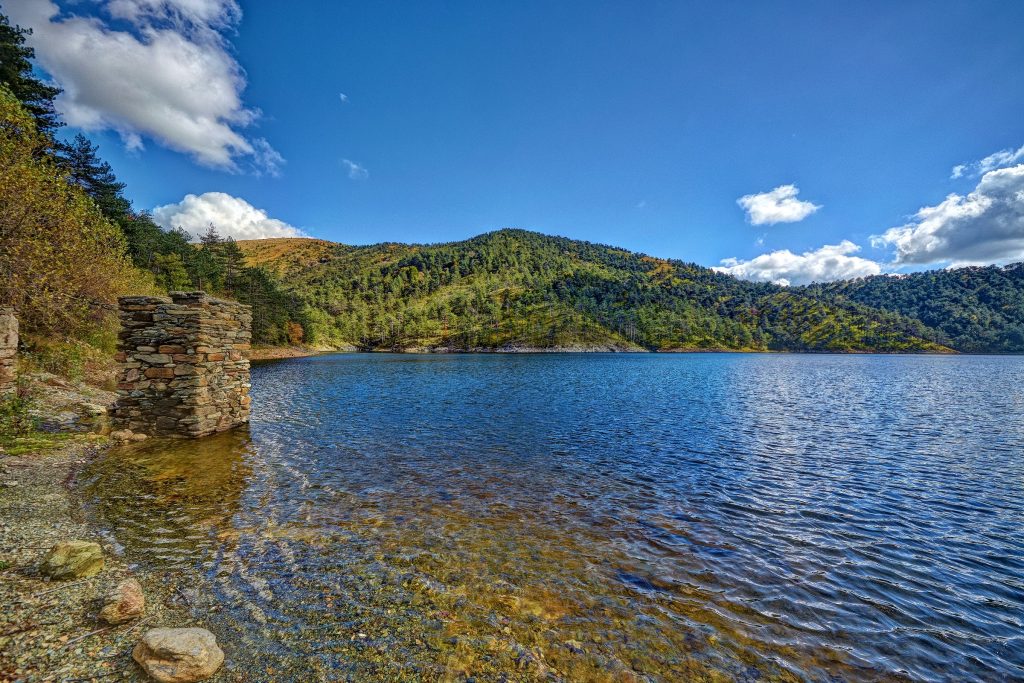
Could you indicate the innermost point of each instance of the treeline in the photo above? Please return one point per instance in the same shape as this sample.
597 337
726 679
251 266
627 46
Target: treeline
976 309
217 266
514 288
71 241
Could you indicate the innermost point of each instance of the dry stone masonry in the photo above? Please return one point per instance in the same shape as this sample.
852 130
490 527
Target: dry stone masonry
8 350
183 368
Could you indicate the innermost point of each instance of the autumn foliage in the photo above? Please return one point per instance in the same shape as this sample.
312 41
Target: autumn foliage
62 264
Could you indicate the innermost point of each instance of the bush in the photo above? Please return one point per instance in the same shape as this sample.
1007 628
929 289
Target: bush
89 361
16 418
62 264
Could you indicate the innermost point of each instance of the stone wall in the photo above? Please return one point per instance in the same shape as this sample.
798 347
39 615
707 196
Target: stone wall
8 350
183 370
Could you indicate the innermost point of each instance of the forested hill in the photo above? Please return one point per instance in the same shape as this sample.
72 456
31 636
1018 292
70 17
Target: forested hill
514 289
976 310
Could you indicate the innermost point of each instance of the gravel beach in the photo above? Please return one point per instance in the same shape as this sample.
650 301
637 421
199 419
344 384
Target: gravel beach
49 630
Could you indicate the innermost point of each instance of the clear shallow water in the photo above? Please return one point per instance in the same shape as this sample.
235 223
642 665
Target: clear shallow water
600 517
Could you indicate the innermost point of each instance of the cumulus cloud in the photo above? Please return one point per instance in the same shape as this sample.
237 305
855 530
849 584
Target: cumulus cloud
778 206
985 226
232 216
1000 159
165 73
355 171
830 262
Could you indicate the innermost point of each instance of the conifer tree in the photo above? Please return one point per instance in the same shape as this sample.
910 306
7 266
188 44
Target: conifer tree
96 177
16 73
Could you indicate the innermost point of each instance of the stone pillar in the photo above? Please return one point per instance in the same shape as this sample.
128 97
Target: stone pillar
8 350
183 370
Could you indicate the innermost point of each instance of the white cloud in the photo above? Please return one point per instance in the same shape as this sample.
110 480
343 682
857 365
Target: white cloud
830 262
1000 159
266 159
168 75
355 171
343 97
985 226
231 216
778 206
216 13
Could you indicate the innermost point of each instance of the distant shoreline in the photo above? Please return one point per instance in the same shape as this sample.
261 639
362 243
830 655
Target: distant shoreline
284 352
281 352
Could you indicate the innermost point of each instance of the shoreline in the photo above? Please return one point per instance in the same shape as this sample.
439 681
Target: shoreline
259 353
285 352
49 630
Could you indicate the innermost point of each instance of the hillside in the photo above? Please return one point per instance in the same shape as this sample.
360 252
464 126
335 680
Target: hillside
286 256
514 289
976 310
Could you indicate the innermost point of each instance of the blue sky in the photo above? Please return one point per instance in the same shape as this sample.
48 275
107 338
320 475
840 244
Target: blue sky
635 124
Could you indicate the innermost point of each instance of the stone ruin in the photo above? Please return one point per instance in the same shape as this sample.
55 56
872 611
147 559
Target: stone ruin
183 368
8 351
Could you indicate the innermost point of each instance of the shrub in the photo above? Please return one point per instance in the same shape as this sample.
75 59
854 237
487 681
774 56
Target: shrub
16 418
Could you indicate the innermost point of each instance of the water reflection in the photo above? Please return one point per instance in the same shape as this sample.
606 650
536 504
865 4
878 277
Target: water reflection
173 498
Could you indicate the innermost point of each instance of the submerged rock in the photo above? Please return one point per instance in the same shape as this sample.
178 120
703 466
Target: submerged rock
73 560
425 584
178 655
124 603
126 435
530 660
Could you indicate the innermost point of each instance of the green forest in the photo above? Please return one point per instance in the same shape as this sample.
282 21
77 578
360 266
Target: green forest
514 289
975 309
71 242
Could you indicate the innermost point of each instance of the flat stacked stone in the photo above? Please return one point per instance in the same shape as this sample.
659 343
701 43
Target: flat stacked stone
8 350
183 367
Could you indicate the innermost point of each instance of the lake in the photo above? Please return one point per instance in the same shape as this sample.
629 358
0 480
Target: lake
633 517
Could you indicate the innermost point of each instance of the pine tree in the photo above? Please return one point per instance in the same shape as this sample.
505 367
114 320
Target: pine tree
16 73
233 260
170 271
96 177
211 237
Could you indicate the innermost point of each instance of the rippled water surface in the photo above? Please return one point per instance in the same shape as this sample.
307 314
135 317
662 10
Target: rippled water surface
599 517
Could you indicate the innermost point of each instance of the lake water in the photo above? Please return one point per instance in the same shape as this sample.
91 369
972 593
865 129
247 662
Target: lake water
635 517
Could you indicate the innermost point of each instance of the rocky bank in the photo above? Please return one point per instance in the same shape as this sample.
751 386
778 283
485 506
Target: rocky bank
83 627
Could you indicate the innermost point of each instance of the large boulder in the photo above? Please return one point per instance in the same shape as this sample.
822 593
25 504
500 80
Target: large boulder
73 560
124 603
178 655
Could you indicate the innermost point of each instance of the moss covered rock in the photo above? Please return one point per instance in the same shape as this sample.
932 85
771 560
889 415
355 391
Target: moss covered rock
73 560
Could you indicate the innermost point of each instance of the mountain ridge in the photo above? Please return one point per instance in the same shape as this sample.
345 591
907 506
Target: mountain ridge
514 289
